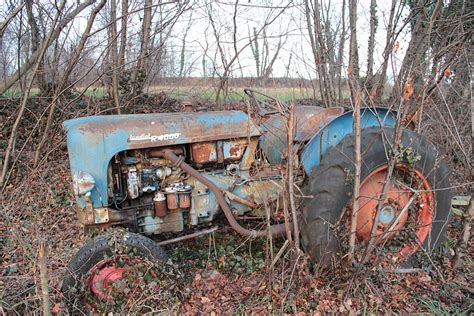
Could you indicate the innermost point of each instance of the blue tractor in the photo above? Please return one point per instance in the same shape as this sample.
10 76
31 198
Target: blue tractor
177 172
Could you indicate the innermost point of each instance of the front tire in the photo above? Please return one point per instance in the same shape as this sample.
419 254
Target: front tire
331 185
96 262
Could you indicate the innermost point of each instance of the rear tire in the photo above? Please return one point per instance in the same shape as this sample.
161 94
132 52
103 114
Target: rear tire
331 189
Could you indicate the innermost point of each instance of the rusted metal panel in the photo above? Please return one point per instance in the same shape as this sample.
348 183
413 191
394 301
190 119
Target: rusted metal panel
249 155
309 119
234 149
204 152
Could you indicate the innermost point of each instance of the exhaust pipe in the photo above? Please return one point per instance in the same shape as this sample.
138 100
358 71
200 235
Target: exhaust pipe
275 230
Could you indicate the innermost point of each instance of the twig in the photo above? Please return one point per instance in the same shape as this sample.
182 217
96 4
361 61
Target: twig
404 209
357 166
279 253
290 180
44 280
403 271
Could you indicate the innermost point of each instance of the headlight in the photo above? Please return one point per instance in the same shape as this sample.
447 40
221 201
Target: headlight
83 182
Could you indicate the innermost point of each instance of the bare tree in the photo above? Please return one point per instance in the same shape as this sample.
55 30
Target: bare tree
11 15
390 40
415 63
35 43
264 58
183 47
123 35
319 49
139 74
31 59
353 49
355 100
371 46
62 84
340 54
25 96
113 89
227 62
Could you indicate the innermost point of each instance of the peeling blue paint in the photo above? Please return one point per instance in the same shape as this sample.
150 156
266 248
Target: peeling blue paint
331 134
93 141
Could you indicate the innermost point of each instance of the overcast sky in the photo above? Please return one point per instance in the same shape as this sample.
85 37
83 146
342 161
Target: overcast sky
251 13
292 22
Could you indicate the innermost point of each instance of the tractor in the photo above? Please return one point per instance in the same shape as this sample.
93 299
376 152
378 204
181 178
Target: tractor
172 175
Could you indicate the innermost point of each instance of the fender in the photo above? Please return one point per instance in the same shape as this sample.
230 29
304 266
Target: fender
333 132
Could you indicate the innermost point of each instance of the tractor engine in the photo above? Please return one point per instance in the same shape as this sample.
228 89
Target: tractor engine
157 196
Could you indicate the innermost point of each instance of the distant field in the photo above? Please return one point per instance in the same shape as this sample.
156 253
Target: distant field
234 94
209 93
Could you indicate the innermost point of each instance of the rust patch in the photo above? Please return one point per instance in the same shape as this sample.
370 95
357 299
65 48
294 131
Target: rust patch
204 152
233 150
309 122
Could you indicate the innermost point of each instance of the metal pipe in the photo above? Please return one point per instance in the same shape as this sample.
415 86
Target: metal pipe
275 230
186 237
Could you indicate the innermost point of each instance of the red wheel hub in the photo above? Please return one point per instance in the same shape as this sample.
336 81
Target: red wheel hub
104 274
392 216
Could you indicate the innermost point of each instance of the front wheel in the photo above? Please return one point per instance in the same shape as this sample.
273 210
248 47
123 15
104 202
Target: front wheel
415 210
109 270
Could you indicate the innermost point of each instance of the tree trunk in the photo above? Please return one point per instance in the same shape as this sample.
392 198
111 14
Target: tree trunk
340 54
356 100
255 50
386 53
314 32
268 70
182 58
35 44
371 45
139 75
353 49
113 55
123 36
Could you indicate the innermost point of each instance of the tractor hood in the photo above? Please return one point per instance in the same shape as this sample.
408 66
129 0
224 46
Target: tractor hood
93 141
159 129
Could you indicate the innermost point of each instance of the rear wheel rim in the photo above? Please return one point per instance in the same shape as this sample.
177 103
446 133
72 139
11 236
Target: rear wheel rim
394 217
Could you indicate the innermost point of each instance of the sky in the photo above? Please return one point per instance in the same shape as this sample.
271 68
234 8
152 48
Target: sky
293 22
251 13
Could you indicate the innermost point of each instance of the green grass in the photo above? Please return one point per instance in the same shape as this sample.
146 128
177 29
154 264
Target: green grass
16 93
284 94
234 93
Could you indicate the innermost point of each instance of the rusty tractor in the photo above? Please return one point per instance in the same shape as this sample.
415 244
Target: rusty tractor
178 172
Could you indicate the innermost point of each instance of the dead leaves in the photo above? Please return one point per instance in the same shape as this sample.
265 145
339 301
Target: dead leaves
212 291
408 90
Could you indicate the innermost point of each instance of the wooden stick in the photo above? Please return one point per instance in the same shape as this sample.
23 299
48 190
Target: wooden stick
44 279
290 180
358 161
